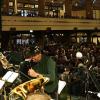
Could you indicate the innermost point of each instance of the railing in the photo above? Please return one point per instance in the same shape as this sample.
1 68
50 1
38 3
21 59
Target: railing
39 23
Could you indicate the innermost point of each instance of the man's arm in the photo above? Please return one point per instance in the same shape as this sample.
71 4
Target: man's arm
51 70
33 73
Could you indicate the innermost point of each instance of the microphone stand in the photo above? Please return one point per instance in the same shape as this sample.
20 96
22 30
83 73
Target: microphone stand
88 77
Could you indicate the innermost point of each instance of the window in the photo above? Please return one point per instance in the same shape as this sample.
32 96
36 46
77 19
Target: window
32 6
10 11
10 3
20 5
36 6
26 5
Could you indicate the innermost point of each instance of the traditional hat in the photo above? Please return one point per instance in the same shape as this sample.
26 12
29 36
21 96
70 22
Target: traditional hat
34 50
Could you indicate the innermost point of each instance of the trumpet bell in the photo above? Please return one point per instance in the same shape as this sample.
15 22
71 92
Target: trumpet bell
29 87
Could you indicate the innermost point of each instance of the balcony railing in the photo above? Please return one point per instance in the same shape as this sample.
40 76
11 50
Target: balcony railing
39 23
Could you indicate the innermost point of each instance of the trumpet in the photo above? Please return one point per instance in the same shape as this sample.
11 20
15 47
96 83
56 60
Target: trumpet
29 87
4 61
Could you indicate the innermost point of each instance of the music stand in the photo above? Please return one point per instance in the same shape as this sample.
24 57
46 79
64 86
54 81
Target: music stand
61 85
9 77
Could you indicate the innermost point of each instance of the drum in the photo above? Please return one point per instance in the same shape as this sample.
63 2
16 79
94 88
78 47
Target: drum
31 96
38 96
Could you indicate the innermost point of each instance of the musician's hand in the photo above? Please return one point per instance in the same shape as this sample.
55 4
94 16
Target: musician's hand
42 89
32 73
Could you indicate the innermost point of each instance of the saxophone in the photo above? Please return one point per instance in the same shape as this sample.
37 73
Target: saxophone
4 61
31 86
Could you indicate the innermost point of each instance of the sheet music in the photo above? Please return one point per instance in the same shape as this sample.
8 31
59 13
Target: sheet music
2 83
7 75
61 85
10 76
13 77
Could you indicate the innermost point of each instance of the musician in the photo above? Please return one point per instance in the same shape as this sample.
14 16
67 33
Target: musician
78 76
41 65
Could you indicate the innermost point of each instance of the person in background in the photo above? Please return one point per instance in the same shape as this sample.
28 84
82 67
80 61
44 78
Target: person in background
39 65
78 77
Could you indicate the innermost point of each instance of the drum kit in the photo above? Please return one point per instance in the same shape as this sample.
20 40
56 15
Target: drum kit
29 90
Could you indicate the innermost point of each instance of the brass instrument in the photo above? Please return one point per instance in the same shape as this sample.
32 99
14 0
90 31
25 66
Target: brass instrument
4 61
29 87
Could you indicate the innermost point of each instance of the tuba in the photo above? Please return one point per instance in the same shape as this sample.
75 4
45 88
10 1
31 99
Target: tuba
28 87
4 61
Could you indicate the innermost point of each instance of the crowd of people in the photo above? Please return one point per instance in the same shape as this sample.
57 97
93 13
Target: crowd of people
58 62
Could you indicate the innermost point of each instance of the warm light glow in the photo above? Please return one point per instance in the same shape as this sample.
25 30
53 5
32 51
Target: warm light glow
98 95
79 55
94 1
76 4
31 31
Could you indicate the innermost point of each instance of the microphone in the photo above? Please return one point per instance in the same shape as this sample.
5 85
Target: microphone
90 67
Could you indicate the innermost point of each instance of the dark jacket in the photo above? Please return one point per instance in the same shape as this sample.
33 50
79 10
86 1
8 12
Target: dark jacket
46 67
